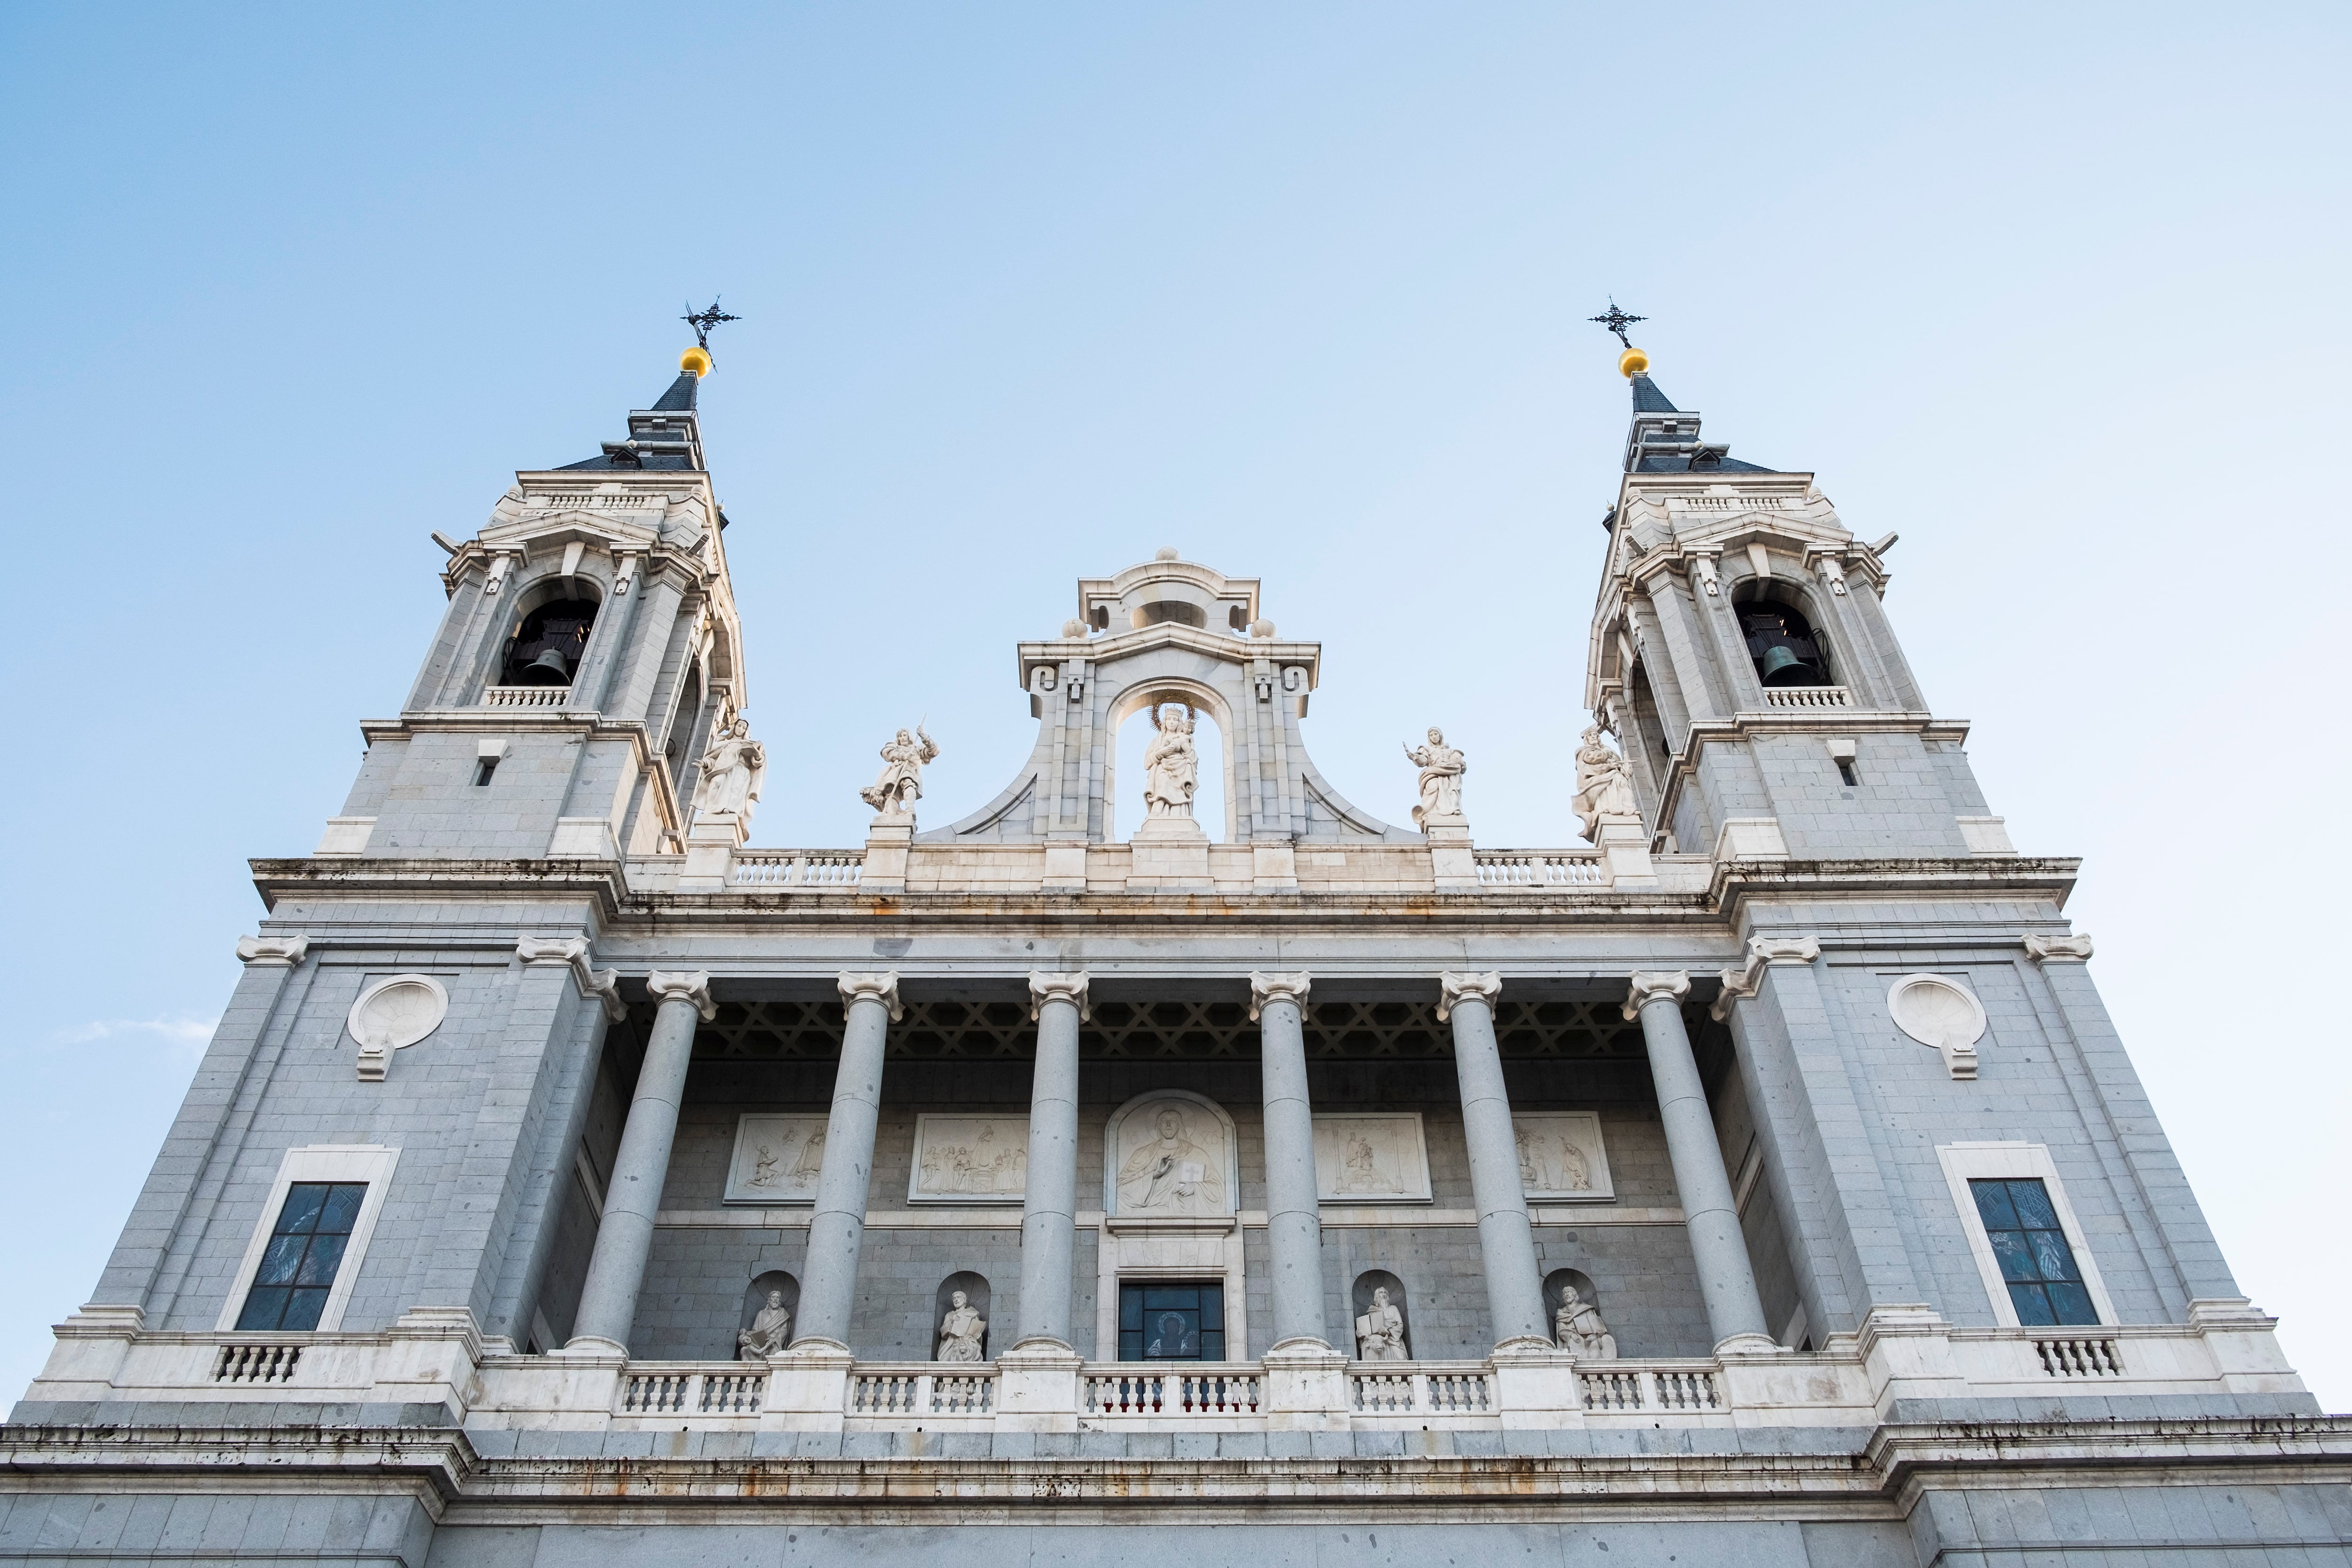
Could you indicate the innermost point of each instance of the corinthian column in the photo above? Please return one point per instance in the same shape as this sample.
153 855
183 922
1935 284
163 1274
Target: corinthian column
838 1225
625 1236
1294 1230
1507 1242
1049 1206
1726 1280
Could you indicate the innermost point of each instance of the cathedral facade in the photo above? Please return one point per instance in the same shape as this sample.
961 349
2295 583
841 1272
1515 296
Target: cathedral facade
1759 1180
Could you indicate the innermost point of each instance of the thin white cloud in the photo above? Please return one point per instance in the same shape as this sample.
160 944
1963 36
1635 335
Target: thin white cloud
180 1031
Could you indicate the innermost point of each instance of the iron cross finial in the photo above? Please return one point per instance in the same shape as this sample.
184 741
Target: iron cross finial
703 321
1617 321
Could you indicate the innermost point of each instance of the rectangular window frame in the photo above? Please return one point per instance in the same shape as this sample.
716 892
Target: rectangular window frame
1196 1282
370 1162
1964 1162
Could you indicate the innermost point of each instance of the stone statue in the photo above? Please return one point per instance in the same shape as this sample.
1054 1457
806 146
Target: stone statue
1172 1174
1380 1332
1576 1327
1442 768
961 1331
1171 768
769 1333
731 771
1605 784
901 782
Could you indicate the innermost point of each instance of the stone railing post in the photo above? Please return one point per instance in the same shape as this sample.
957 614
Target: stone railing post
625 1236
1507 1242
1726 1280
838 1224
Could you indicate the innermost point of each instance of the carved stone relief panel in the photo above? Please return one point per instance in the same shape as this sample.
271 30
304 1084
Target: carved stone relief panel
1562 1156
1939 1010
969 1160
1372 1157
777 1160
1171 1154
392 1014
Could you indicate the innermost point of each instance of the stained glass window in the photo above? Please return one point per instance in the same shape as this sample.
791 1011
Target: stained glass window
306 1249
1171 1322
2038 1266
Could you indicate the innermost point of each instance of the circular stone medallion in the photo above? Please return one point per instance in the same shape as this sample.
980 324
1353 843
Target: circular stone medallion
398 1010
1936 1011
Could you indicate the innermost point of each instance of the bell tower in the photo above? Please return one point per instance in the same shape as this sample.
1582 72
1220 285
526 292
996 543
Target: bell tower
589 652
1742 655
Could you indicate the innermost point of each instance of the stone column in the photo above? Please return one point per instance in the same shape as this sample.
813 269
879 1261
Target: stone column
1293 1228
837 1226
617 1268
1507 1242
1050 1205
1726 1280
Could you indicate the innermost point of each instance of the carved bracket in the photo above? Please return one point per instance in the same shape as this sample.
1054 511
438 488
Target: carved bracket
1741 982
272 952
602 985
2075 948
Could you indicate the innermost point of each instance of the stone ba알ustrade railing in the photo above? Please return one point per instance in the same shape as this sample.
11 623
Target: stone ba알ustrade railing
526 697
1806 697
1540 869
436 1356
815 869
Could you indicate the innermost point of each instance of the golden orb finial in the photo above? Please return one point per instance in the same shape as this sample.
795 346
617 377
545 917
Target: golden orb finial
695 361
1632 362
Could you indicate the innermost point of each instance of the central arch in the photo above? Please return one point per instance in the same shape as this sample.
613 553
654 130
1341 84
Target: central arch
1205 700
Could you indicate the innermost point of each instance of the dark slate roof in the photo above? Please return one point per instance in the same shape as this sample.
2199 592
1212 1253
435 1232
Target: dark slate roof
656 441
656 462
680 394
1680 463
1648 399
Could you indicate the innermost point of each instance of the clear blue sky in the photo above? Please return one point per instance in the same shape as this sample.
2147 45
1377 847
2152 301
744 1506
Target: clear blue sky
2057 292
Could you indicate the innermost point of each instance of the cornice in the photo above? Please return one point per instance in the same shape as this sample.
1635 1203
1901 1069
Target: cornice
369 877
1224 647
1737 882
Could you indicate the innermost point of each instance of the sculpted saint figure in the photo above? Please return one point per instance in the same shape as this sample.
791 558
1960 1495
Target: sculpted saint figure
900 784
961 1329
770 1329
731 771
1171 769
1380 1332
1604 785
1363 1170
1577 1326
1173 1173
1575 1176
1442 768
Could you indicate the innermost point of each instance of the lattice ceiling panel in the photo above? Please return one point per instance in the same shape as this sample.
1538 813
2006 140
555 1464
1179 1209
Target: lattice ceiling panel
1133 1030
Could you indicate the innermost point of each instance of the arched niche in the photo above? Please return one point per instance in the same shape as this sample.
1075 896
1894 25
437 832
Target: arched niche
1170 1154
1556 1287
1360 1304
755 1297
1123 793
553 622
974 1288
1786 643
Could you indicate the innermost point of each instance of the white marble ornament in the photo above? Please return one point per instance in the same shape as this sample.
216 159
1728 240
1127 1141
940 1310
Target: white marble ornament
392 1013
969 1160
1940 1011
1377 1157
777 1160
1562 1156
1173 1155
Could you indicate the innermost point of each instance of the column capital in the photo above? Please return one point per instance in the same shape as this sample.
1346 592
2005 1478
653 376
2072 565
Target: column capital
679 985
1453 985
2075 948
1070 988
272 952
1743 981
1648 985
1265 988
600 985
882 988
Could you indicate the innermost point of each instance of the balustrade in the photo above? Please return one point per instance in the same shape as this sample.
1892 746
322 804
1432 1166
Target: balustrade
796 869
1428 1390
728 1390
1627 1387
919 1391
526 695
1195 1391
247 1363
1540 869
1807 697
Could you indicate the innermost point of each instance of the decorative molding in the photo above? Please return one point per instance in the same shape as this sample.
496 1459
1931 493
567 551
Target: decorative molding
683 985
1070 988
1452 985
882 988
1939 1010
1265 988
1648 985
272 952
602 986
2075 949
1703 566
392 1014
1741 982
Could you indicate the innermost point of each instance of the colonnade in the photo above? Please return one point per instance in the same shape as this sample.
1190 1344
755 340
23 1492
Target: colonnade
1049 1212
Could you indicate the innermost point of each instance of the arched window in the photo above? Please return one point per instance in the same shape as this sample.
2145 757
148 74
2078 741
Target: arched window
1784 645
547 646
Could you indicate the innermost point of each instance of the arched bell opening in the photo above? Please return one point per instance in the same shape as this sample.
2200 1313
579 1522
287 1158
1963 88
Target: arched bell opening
1782 642
1139 719
548 643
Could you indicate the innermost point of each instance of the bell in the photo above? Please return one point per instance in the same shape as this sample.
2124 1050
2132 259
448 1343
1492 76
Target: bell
547 669
1781 667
